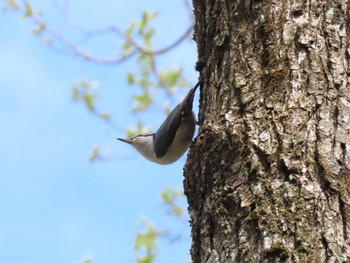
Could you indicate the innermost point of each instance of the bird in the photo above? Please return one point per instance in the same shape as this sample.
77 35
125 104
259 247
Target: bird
172 138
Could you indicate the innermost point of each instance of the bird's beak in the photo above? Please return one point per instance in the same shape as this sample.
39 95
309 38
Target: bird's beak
125 140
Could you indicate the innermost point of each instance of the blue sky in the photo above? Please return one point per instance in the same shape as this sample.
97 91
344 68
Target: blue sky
55 206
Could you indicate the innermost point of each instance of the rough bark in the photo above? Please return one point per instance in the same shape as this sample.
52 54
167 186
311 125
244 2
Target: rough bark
268 176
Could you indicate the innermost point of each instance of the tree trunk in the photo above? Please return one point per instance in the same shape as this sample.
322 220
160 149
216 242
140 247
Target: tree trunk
268 176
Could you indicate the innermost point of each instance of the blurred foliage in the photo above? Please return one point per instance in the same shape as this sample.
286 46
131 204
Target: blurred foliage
148 76
11 4
28 10
85 91
39 29
143 101
170 197
82 91
138 43
97 154
146 243
140 128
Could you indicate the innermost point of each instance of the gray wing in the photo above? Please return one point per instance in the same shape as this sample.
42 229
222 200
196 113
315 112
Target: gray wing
166 132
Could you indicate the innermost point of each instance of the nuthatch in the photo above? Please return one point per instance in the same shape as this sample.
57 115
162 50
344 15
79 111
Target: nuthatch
173 137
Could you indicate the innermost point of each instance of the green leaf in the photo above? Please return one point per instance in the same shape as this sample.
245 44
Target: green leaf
155 14
131 78
166 197
82 92
171 77
148 258
130 132
95 154
142 101
146 243
146 18
105 115
148 35
12 4
147 239
47 41
89 101
143 23
169 197
39 29
28 11
177 210
170 194
75 92
127 48
131 28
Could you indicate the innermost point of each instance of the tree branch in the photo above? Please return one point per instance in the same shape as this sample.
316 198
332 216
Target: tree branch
76 48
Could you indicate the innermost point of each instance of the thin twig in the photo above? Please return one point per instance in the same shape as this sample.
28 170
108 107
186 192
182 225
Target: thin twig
78 50
143 50
93 32
157 74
